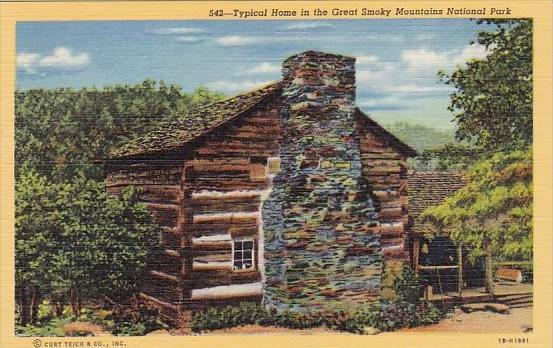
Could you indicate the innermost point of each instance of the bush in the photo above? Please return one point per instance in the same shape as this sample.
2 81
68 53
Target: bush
383 315
136 322
407 286
392 315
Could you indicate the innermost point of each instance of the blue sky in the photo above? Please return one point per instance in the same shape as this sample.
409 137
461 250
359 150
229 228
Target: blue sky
397 60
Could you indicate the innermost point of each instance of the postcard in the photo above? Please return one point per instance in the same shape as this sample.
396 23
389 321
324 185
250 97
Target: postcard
248 173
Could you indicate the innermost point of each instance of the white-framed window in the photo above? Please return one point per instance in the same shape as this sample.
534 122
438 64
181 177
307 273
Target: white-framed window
243 254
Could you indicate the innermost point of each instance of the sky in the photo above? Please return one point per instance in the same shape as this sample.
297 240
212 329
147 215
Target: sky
397 59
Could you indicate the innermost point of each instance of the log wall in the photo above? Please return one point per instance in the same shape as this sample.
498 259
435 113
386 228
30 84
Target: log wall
385 171
204 197
227 182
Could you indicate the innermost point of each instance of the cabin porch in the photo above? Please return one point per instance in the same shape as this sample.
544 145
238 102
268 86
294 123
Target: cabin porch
450 278
514 294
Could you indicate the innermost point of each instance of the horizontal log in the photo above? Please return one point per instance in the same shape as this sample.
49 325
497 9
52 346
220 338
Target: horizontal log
228 292
165 214
211 278
212 266
394 252
159 302
224 302
267 151
163 289
171 175
223 195
127 181
163 275
391 213
171 252
199 230
202 256
387 241
235 217
400 202
384 171
223 245
391 230
370 154
222 206
229 184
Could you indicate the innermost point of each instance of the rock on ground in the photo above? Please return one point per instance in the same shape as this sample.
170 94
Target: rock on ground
492 307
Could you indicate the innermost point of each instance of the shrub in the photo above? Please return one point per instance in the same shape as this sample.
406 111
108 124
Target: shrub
136 322
383 315
407 286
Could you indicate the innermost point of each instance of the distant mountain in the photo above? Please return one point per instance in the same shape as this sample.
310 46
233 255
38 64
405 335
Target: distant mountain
418 136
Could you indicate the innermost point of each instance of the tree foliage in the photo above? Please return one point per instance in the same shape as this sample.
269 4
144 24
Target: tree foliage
64 132
492 98
492 101
74 236
493 212
492 106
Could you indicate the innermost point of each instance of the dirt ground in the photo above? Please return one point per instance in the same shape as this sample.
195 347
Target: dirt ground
517 321
271 330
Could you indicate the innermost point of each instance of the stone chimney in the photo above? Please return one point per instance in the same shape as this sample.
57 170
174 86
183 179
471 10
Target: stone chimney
319 251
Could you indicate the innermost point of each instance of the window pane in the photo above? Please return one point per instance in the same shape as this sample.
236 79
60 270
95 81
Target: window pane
248 244
237 264
247 263
247 254
237 245
237 255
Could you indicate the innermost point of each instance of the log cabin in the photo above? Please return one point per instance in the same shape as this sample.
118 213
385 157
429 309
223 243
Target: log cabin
288 195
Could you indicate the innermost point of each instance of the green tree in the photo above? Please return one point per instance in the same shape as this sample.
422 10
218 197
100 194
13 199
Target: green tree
493 213
492 98
75 238
65 132
492 106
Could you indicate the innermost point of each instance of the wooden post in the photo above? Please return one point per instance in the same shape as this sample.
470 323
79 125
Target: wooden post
415 254
488 270
460 269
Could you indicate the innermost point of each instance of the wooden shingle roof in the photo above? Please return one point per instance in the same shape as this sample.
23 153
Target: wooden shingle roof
427 189
173 135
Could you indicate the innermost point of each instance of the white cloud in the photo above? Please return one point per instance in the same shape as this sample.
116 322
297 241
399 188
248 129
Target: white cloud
238 40
470 52
263 68
307 25
424 37
27 62
189 39
61 58
383 38
416 88
173 31
366 59
235 86
387 102
423 59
